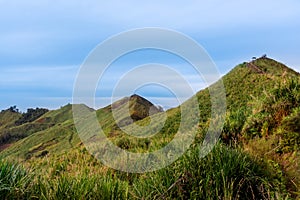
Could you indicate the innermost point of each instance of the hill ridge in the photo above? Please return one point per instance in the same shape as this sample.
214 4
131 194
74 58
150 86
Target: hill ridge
262 120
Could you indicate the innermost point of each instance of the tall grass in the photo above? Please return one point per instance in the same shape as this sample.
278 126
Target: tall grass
14 181
223 174
85 187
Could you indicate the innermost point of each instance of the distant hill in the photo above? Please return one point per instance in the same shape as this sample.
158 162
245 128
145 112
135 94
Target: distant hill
8 117
55 132
47 131
133 108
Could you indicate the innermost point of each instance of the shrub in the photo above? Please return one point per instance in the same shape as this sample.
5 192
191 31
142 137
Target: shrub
269 112
31 115
289 132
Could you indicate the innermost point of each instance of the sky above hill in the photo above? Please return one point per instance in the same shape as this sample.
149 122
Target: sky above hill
43 43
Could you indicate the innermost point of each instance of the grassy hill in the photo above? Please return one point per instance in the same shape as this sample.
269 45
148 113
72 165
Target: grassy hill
257 156
49 131
8 118
54 132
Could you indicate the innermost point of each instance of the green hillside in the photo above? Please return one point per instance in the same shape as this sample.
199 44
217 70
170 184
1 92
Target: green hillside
52 131
8 117
257 156
16 125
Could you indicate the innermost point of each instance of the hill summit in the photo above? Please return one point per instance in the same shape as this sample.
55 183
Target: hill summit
138 107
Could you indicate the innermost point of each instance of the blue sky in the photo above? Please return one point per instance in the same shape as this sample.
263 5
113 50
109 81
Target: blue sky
43 43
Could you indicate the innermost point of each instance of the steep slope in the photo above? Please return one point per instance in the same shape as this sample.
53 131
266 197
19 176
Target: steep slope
244 84
247 86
